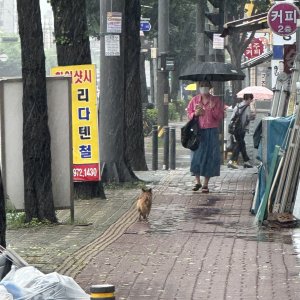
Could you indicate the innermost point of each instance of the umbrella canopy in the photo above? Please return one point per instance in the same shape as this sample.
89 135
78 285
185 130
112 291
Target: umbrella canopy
191 87
212 71
259 92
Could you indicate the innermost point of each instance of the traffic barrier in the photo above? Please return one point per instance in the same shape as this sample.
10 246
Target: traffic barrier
102 292
172 148
166 148
154 147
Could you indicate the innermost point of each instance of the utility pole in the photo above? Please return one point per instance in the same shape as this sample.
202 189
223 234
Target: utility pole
201 40
217 55
112 91
162 73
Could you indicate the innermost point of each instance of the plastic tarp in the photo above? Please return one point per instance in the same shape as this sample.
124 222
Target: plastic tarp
29 283
277 131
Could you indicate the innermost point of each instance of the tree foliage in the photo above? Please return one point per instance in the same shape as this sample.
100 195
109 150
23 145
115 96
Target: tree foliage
238 42
12 66
182 28
93 15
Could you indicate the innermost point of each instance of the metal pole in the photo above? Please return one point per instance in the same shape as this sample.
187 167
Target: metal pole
154 148
166 148
162 74
154 62
201 42
172 148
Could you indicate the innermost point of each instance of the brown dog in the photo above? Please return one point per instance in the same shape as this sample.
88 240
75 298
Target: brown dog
144 203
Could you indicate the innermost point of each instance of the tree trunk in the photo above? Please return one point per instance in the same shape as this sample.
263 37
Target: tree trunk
71 32
73 48
38 195
237 44
133 125
112 104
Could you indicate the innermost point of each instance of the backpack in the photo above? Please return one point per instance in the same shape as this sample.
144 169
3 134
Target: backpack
235 126
189 135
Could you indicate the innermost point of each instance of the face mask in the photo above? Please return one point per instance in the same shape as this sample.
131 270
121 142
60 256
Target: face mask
204 90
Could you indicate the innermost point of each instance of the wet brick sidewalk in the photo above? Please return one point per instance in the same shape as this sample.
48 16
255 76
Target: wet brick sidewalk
194 246
198 246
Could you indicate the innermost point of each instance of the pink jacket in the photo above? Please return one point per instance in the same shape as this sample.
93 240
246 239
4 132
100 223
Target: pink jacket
214 111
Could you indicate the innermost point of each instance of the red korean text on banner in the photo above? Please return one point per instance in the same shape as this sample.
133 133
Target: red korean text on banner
254 49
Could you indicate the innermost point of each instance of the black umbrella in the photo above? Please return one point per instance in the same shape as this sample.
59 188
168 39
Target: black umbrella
212 71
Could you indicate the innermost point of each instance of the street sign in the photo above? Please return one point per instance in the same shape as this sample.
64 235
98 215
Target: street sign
282 18
114 22
145 26
255 48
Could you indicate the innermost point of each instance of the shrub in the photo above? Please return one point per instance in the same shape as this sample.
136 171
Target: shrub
149 119
173 114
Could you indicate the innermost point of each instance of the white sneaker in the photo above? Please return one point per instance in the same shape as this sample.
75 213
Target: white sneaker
232 164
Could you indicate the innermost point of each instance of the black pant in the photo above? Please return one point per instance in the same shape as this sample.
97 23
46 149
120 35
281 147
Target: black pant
240 146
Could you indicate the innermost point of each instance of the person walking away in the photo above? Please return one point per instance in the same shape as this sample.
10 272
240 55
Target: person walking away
240 145
209 111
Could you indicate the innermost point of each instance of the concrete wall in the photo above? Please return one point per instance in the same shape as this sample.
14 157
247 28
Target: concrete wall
59 113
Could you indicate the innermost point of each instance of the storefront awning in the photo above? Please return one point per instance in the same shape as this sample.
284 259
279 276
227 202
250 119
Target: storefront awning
247 24
257 60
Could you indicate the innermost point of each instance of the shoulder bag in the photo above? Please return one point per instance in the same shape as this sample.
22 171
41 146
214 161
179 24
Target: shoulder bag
190 137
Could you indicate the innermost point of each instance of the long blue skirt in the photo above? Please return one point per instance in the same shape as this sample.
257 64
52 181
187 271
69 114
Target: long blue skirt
206 159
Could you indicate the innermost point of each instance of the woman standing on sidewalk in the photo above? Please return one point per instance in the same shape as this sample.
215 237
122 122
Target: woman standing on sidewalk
209 111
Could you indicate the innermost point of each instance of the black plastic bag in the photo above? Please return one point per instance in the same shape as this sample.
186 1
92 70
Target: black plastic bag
190 137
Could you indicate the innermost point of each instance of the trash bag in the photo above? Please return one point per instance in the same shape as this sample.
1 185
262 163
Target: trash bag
4 294
29 283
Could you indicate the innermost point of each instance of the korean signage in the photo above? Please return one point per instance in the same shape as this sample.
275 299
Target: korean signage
114 22
112 45
84 121
218 41
254 49
282 18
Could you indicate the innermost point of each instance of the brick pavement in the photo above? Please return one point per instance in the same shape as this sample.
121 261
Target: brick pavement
194 246
199 246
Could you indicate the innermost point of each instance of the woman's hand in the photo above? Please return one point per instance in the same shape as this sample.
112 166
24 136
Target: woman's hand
199 111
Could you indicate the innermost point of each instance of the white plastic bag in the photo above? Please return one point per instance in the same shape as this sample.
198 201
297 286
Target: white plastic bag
4 294
29 283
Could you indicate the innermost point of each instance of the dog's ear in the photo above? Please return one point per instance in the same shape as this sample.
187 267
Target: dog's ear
143 189
150 190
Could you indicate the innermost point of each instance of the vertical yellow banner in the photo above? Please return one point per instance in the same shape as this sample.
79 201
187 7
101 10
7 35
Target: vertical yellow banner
84 121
